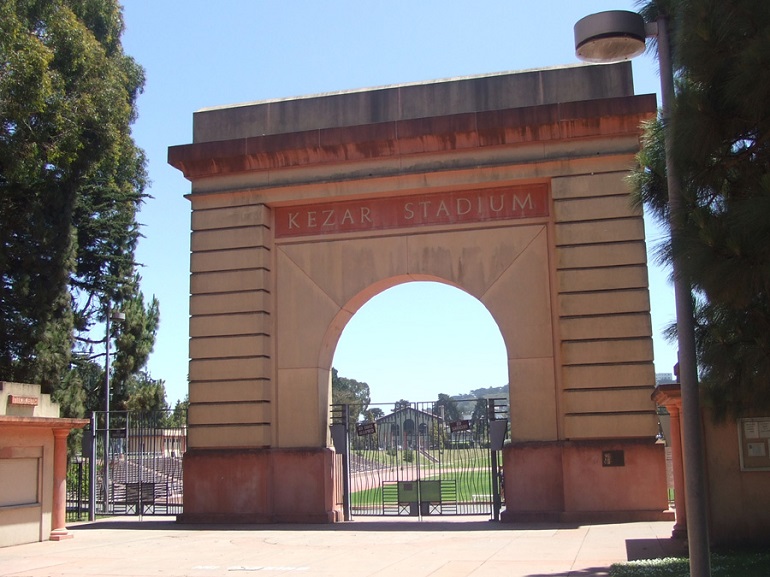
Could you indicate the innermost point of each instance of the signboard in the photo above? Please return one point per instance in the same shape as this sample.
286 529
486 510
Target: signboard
457 426
754 440
364 429
26 401
510 202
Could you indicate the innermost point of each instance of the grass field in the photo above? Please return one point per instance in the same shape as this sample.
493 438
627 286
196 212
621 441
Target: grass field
470 485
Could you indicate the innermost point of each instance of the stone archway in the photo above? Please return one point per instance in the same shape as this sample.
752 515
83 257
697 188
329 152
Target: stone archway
509 187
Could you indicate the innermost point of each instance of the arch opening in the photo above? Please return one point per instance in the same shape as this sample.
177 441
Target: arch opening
419 339
429 365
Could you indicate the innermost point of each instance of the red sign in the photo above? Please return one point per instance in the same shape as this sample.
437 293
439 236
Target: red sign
364 429
511 202
17 400
457 426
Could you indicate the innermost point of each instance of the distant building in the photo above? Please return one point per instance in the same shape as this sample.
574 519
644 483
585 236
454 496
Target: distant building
408 428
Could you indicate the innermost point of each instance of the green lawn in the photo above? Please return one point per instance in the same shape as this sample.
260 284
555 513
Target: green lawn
722 565
469 483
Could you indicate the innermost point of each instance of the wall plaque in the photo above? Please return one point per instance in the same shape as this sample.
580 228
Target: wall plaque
613 459
754 443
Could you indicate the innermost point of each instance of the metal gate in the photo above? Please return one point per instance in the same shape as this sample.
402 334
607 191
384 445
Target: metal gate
140 473
421 459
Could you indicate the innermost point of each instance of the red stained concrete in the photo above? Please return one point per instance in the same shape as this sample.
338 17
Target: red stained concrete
564 481
259 486
573 120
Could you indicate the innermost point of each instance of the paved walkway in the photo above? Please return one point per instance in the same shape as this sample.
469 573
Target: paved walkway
439 548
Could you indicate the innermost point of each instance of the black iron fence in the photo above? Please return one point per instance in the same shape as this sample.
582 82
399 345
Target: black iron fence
131 464
421 458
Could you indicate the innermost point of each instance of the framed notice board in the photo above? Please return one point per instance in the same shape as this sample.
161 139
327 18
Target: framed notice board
754 437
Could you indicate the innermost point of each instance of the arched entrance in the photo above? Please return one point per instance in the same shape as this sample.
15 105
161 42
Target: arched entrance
509 187
419 339
423 453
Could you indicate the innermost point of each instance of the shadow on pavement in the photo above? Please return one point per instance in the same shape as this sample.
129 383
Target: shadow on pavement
587 572
638 549
393 525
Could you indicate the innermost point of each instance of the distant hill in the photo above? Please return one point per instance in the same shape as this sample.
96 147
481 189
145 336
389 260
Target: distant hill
466 408
483 393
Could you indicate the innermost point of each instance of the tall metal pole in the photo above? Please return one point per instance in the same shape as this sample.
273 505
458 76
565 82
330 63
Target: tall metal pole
695 486
92 471
107 413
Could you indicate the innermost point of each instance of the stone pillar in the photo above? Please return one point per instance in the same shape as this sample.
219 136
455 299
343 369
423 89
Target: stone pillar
669 396
58 515
680 527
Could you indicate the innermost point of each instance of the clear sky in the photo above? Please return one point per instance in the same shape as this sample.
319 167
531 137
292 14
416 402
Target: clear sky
415 340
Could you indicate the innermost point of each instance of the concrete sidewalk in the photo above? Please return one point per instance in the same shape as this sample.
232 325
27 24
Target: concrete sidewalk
127 547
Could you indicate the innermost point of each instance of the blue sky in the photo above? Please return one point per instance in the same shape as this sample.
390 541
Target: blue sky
415 340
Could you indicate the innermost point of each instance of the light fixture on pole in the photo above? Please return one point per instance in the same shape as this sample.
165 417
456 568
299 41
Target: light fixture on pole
118 317
620 35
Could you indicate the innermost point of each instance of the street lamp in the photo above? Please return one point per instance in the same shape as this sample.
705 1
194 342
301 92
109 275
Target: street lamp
117 317
620 35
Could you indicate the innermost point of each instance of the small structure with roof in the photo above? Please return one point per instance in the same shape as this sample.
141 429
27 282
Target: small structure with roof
33 465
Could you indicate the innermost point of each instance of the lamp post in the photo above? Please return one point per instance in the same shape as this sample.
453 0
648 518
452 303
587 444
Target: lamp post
620 35
115 316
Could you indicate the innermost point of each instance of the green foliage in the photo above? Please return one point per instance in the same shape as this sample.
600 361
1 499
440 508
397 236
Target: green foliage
178 417
145 394
721 147
738 564
401 404
371 415
352 393
71 183
447 408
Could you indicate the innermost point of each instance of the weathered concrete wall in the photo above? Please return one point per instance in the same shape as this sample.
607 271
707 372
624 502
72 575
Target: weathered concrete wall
412 101
738 500
290 238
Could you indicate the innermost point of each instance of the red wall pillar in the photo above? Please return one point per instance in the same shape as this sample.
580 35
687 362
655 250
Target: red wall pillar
680 527
58 514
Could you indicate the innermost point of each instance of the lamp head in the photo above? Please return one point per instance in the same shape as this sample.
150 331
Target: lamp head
609 36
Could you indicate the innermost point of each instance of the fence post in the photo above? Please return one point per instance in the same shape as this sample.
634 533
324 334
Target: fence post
496 501
92 471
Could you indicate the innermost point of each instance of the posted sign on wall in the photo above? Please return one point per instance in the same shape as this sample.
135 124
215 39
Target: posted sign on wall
754 435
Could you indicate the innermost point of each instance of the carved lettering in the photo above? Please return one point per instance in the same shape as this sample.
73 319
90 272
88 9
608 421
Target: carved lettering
527 203
505 202
465 204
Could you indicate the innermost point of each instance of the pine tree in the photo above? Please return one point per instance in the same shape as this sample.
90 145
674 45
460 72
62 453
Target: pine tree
721 126
71 183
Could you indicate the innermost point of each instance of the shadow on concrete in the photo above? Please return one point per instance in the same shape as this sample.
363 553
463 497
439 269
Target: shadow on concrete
638 549
457 524
587 572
